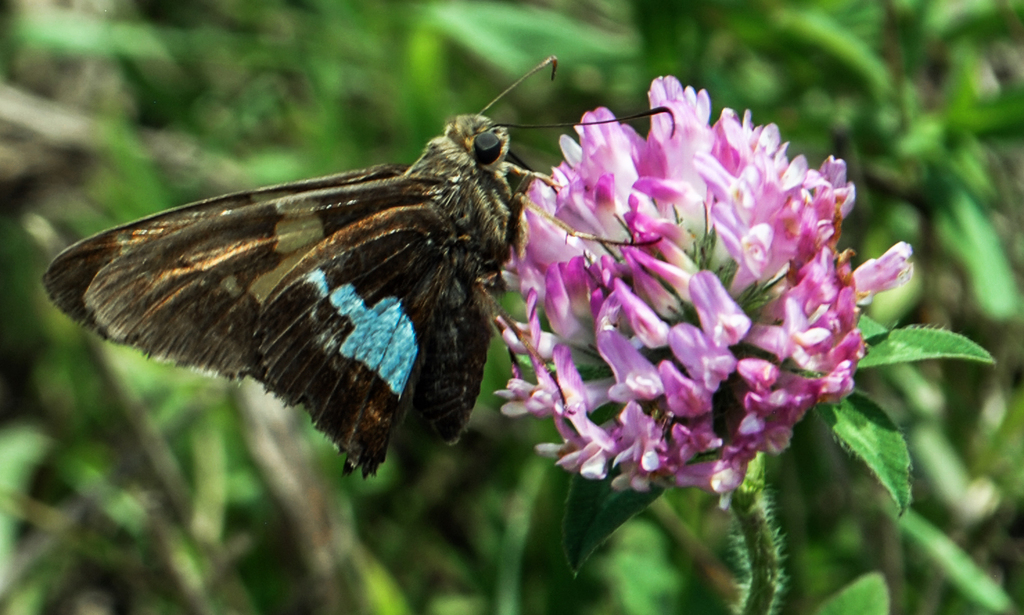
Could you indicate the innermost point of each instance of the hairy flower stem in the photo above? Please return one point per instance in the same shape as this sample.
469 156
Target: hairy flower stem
761 549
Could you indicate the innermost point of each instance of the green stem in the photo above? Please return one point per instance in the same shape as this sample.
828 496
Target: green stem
761 545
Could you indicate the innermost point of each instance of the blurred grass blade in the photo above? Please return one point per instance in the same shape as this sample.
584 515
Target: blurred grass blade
972 582
130 186
75 34
867 595
384 594
210 478
1001 116
21 449
937 458
919 343
509 585
641 546
866 430
516 37
821 32
967 232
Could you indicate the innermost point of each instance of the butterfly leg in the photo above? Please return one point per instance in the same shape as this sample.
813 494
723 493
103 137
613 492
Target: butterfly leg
504 320
570 231
515 232
525 202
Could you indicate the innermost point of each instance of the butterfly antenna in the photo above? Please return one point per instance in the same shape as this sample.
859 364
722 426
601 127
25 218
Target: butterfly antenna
550 60
635 116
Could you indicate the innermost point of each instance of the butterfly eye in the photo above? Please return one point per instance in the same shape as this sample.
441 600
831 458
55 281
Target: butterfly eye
486 147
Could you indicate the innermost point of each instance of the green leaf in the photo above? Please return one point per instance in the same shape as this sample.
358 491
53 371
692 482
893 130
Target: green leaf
919 343
972 582
516 37
866 431
593 511
871 329
867 595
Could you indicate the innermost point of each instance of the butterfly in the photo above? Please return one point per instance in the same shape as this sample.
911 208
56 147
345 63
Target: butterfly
359 295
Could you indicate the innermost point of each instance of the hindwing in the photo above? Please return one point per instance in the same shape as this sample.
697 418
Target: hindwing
345 331
455 351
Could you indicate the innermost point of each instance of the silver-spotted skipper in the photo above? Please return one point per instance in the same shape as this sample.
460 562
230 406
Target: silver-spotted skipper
358 295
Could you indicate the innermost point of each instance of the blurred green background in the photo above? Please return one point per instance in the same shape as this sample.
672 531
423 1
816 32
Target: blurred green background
128 486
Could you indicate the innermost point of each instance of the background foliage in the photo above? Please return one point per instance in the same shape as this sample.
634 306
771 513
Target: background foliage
127 486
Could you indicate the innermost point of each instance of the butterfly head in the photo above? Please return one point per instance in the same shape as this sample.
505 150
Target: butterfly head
486 143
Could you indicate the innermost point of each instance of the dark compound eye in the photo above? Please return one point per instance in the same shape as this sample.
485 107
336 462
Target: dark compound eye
486 147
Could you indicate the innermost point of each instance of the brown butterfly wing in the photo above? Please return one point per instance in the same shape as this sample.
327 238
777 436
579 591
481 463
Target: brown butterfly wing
187 284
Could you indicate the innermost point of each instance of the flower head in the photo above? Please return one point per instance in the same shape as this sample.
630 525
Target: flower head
715 312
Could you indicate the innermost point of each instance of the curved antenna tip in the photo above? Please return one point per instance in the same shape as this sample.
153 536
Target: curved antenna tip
552 60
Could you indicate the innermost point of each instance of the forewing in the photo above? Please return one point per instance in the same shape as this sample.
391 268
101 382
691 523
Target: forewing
342 334
188 284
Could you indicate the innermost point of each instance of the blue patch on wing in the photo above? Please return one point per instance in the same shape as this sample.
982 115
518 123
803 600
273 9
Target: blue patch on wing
383 338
